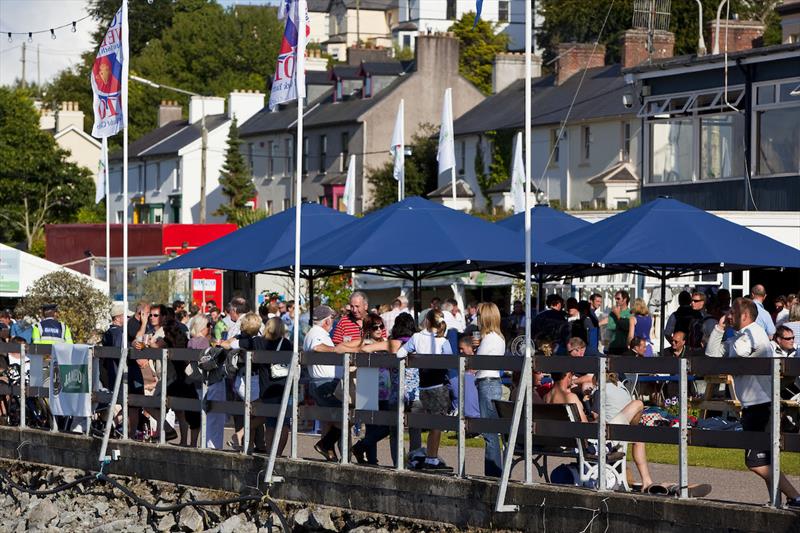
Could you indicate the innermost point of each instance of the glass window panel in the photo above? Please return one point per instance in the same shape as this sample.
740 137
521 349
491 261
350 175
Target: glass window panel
766 95
722 148
787 89
778 141
671 145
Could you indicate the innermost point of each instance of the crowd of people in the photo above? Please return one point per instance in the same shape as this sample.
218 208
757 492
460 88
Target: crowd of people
705 323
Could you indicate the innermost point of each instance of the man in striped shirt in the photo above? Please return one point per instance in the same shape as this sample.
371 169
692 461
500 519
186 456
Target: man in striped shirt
349 326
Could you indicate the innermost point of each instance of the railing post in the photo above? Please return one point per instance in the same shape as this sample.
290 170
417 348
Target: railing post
528 428
53 420
248 368
775 434
23 387
90 372
162 411
602 366
525 381
124 359
344 445
683 429
295 402
203 413
462 444
401 395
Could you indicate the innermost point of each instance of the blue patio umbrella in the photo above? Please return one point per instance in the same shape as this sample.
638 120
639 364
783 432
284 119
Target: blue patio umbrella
666 238
259 243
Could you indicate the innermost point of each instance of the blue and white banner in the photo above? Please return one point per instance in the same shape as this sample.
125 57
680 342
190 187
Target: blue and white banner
110 77
289 81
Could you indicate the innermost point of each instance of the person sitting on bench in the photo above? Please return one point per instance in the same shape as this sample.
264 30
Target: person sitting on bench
561 393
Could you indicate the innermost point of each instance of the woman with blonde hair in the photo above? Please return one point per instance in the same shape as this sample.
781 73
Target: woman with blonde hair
488 382
642 325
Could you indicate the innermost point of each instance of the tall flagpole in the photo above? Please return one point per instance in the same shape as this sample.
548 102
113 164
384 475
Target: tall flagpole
401 183
528 250
449 96
108 215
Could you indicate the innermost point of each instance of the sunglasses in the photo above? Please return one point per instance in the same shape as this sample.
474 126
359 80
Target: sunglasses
696 301
154 315
786 338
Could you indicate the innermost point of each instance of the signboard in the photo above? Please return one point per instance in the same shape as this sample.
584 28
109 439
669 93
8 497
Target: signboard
208 285
9 270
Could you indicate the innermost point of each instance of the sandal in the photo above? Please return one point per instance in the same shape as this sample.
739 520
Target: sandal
328 453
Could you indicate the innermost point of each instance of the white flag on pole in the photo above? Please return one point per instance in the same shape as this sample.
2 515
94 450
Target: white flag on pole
289 82
349 196
398 150
518 176
446 155
100 178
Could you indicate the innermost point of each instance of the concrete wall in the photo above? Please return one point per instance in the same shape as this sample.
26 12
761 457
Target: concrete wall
465 503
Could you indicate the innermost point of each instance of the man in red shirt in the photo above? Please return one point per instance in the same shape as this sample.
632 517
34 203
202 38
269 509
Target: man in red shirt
349 326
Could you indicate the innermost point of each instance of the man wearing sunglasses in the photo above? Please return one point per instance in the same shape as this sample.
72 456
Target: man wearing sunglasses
784 343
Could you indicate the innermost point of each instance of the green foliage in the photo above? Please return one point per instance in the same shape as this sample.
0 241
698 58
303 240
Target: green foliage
478 48
246 216
402 54
39 186
334 291
502 143
92 213
421 170
80 305
235 179
158 287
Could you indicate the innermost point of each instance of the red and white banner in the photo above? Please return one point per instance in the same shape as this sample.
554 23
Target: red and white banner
110 78
289 81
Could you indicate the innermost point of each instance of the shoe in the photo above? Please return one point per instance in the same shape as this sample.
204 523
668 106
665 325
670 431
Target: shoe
359 452
328 453
793 504
234 444
441 466
169 432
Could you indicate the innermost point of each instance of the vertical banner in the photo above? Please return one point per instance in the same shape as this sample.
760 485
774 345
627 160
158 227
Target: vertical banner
69 380
289 81
518 176
108 72
398 151
446 155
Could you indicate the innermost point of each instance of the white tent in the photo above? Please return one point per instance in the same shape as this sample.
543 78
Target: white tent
19 270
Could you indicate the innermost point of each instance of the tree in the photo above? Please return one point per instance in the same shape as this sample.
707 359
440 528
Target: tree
159 287
478 47
80 305
421 170
39 186
235 179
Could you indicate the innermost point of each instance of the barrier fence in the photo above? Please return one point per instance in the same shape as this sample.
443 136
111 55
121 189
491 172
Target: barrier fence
681 369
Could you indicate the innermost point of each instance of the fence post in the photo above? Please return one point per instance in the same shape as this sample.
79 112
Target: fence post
528 426
683 429
53 420
344 446
775 434
124 369
602 366
162 402
462 445
90 373
248 368
401 395
23 387
203 413
295 401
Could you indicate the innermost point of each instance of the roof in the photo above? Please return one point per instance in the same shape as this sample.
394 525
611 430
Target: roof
375 5
266 121
462 190
319 6
789 7
149 139
710 59
183 137
334 179
406 26
621 173
349 109
382 68
318 77
77 130
345 72
503 186
600 97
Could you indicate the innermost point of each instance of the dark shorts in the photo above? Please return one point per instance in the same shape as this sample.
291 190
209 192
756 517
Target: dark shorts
321 390
756 418
435 401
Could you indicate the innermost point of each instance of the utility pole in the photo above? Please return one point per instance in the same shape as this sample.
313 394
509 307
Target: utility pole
23 65
38 67
203 148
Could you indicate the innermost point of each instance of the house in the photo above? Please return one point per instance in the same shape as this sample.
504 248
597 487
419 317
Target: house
354 114
340 24
164 165
722 132
584 131
418 17
66 125
789 12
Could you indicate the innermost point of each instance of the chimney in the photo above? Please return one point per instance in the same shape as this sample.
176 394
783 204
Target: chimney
69 115
574 57
509 67
742 34
437 54
211 105
244 104
168 111
634 47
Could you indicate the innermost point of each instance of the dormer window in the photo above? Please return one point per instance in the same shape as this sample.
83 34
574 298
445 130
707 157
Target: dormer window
367 91
338 96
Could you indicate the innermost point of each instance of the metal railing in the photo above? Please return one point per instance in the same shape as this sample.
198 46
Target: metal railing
679 371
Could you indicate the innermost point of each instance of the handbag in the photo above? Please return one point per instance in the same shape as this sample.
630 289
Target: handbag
278 371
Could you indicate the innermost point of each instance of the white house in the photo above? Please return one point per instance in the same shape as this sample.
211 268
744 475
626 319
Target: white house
164 165
66 125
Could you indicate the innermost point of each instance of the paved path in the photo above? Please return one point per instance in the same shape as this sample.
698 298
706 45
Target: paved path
728 485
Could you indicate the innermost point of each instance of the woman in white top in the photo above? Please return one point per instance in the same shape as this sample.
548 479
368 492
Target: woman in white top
488 382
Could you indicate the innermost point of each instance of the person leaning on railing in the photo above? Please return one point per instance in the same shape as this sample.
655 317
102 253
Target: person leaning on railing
750 340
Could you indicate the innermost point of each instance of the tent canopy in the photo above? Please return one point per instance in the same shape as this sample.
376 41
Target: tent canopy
414 234
249 248
666 238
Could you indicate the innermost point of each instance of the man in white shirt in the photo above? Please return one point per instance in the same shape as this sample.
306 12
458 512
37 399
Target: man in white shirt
323 378
452 316
399 305
758 293
750 340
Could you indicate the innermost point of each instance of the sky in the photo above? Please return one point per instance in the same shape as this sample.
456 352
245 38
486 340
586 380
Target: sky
54 55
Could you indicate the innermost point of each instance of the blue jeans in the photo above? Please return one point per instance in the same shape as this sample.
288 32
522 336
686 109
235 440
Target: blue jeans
488 390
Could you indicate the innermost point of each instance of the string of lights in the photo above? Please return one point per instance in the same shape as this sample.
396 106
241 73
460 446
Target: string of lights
52 31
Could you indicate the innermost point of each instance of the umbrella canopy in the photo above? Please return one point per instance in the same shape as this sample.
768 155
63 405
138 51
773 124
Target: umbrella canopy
247 248
414 234
546 224
666 238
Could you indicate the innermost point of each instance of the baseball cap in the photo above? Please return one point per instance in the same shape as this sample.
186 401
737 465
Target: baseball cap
117 309
322 312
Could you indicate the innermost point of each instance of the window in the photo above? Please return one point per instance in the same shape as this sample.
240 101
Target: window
142 178
286 204
777 125
721 146
270 159
323 152
120 220
406 41
451 10
250 156
626 141
502 11
367 86
554 147
268 207
305 155
338 96
671 150
287 147
586 142
158 176
462 145
157 214
345 158
177 177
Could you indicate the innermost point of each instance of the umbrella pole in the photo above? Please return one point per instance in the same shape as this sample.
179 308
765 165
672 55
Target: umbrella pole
310 298
663 318
417 296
